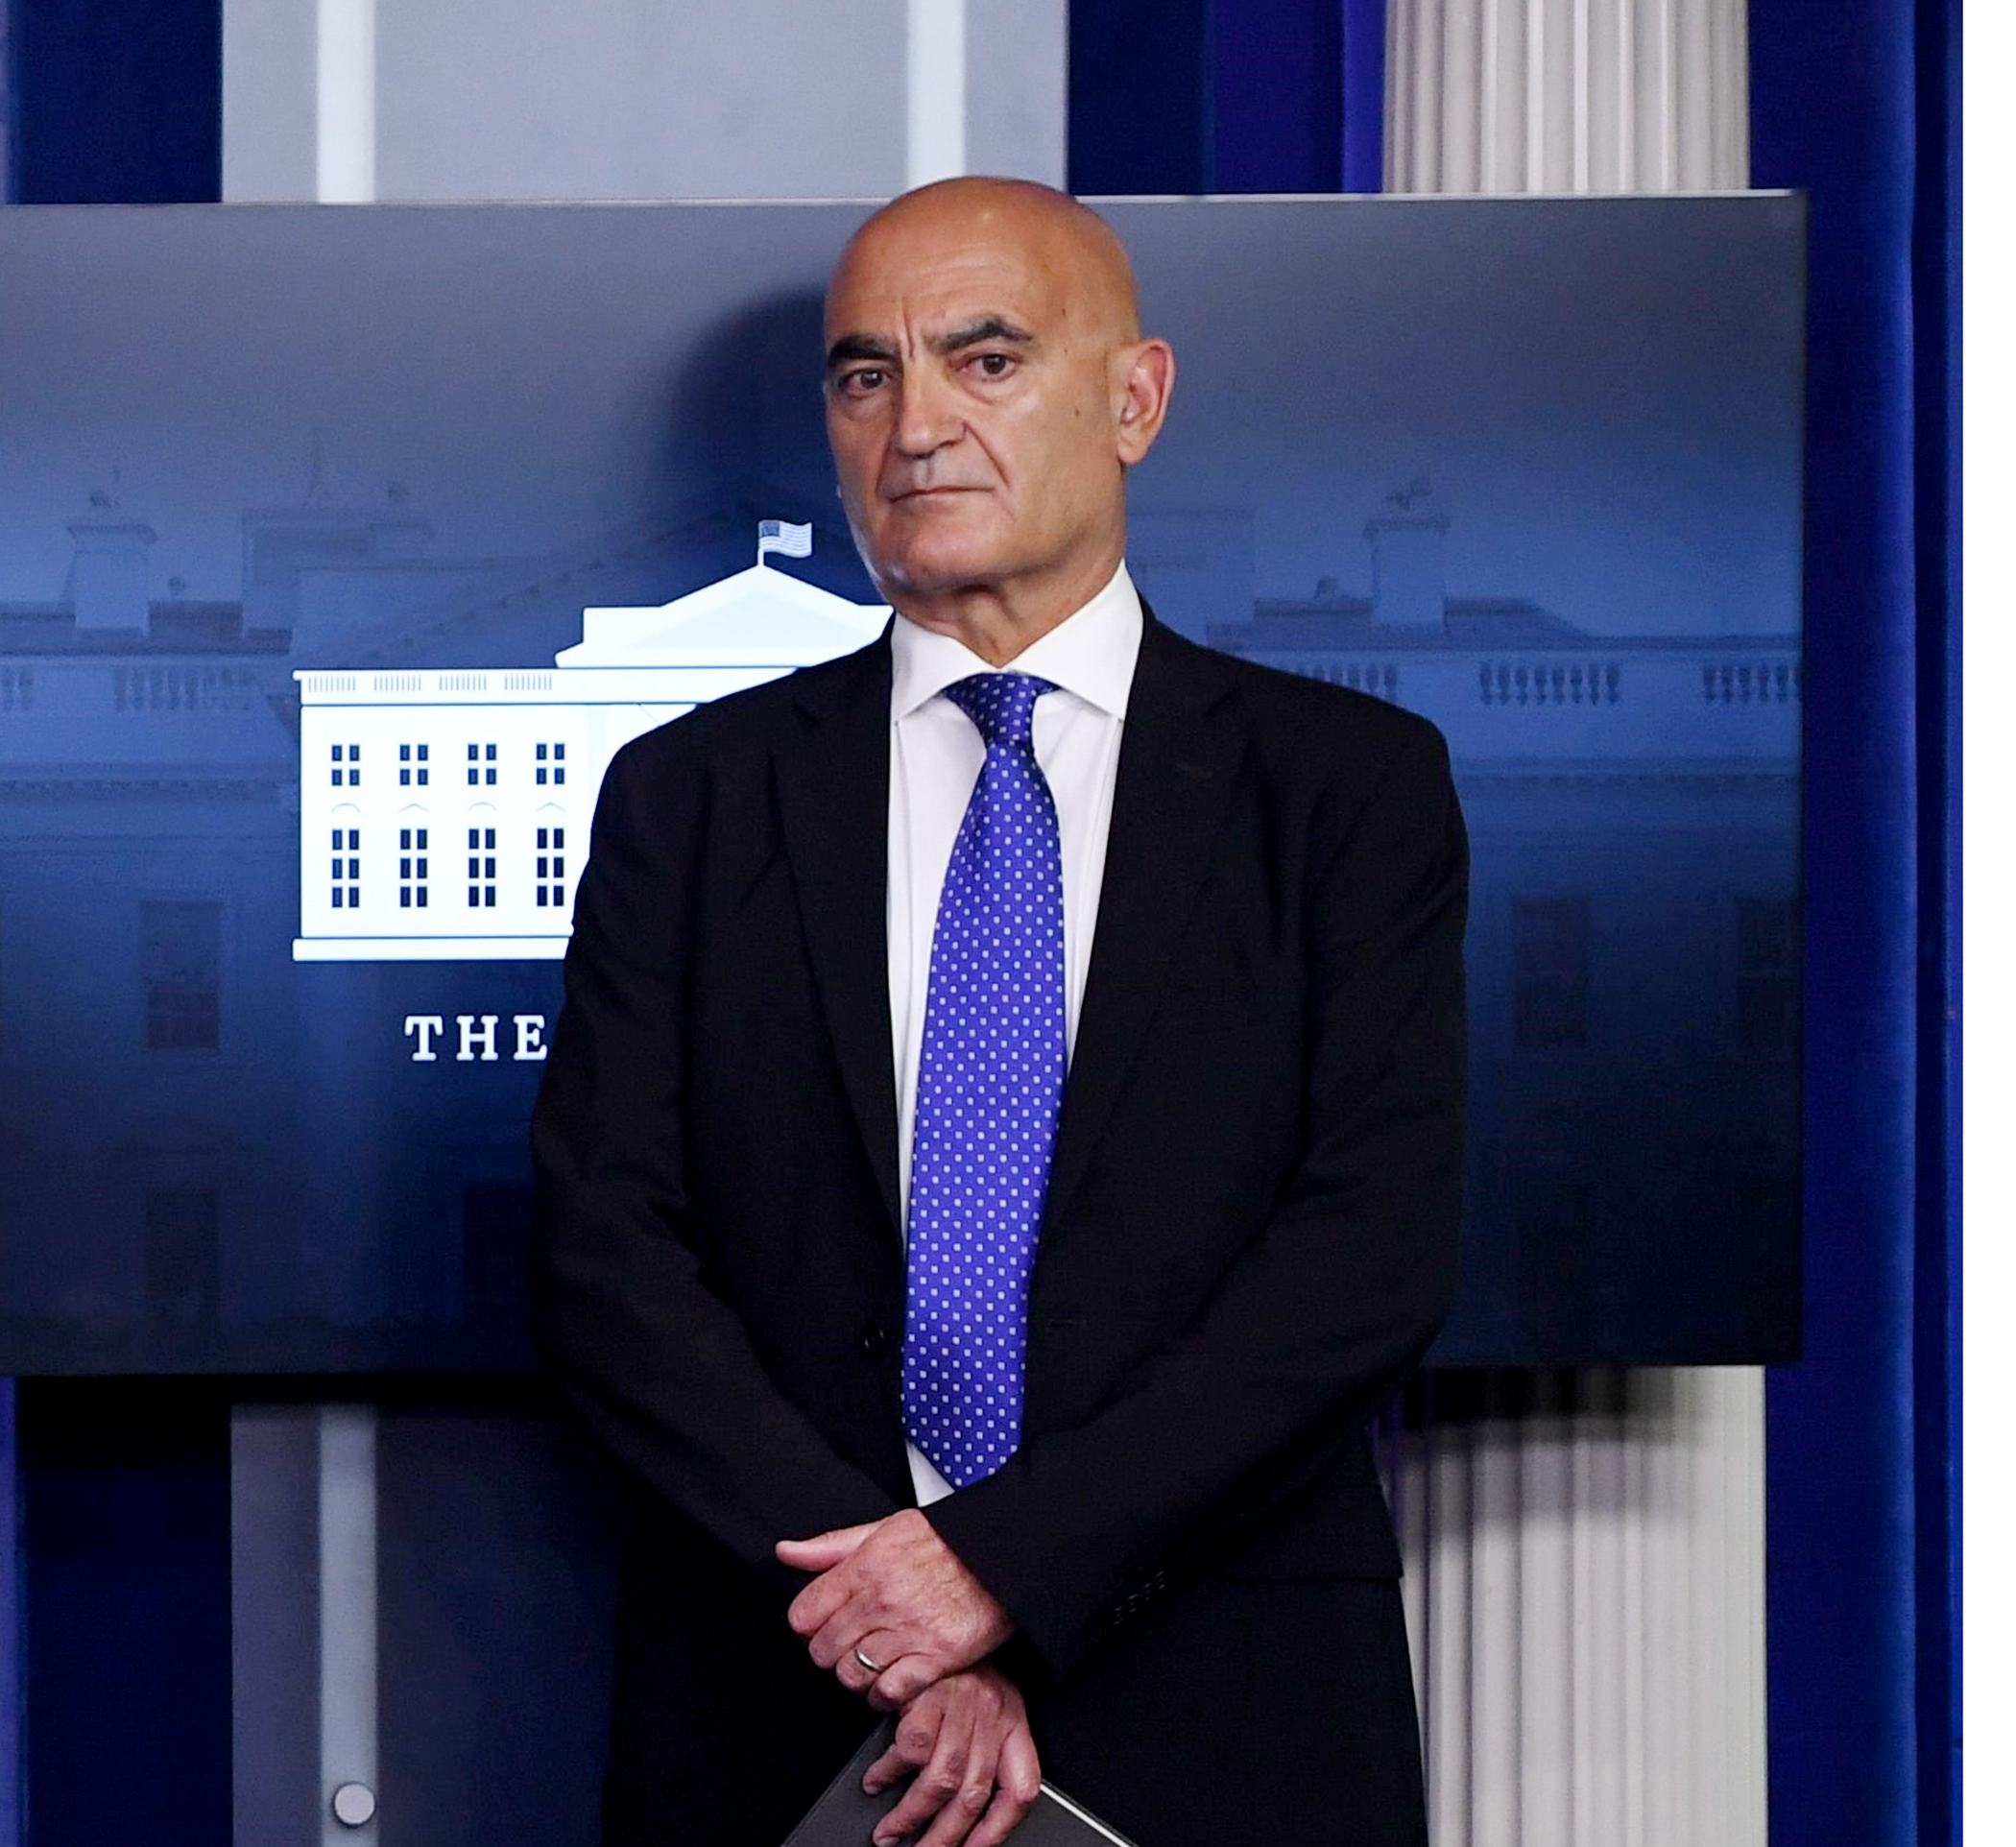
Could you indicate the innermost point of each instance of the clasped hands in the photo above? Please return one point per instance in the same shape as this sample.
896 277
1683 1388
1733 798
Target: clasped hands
898 1593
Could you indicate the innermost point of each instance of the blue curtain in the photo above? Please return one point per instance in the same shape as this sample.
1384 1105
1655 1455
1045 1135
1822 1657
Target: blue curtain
10 1626
1856 102
1936 324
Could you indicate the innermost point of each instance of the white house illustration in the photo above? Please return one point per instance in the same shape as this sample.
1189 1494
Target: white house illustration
444 812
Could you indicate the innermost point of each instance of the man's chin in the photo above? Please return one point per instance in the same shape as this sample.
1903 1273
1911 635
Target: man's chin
942 570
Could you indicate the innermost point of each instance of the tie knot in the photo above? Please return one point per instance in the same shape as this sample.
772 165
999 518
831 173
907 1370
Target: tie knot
1000 705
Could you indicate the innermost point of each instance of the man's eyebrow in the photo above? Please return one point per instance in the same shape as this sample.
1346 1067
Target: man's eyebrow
855 349
852 346
990 327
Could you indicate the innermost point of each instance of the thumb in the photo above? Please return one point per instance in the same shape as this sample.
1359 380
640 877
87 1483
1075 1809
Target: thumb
822 1551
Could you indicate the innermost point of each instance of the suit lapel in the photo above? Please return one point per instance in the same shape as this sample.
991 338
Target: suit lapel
1179 750
832 782
1178 754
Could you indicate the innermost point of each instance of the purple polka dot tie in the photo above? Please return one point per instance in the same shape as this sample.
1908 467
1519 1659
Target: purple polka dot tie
989 1084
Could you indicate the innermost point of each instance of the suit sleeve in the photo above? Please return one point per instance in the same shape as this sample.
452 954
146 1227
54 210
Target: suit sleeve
1323 1310
660 1367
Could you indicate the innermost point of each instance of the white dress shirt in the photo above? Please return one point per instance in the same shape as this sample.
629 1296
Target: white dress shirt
935 755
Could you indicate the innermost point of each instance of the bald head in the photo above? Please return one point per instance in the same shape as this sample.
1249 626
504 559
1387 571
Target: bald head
1061 239
987 389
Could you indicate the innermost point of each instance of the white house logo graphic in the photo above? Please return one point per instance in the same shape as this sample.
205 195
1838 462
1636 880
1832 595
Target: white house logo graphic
444 812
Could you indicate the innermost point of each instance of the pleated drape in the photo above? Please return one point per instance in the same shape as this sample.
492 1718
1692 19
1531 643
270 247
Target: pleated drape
1584 1594
1559 96
1856 102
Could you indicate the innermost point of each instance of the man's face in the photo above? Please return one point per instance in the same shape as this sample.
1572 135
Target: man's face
970 404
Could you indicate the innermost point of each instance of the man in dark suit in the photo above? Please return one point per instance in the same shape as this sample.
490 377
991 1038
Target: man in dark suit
1030 1405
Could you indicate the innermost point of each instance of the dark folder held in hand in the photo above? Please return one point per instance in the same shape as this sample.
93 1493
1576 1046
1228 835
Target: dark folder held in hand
845 1817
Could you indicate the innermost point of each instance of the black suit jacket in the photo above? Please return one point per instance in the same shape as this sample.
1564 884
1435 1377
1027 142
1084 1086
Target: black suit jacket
1250 1233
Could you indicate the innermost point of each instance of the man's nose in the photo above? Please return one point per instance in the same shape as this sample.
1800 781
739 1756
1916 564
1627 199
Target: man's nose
928 416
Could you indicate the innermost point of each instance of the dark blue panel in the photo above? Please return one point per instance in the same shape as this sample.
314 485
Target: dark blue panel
1276 96
1226 96
1139 97
126 1544
117 102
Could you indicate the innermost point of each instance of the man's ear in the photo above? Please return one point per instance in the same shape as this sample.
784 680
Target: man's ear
1144 374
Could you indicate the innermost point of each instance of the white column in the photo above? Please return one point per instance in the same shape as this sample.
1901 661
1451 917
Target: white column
346 102
1558 96
935 91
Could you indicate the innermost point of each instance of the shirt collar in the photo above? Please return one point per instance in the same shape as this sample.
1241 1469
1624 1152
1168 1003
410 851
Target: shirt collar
1090 654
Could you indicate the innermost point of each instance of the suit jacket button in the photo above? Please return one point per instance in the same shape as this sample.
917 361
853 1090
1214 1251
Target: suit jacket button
874 1340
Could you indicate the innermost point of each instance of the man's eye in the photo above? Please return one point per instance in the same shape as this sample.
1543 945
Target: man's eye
994 365
867 379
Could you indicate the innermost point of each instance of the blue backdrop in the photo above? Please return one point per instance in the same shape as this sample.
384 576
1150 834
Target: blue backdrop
1560 518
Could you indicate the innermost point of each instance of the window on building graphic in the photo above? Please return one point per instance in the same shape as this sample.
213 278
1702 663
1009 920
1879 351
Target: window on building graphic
1766 974
496 1243
344 867
550 868
483 869
549 757
413 766
483 765
345 761
178 1265
181 944
1550 955
413 869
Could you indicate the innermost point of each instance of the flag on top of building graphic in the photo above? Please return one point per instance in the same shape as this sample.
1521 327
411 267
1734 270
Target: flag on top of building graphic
782 536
